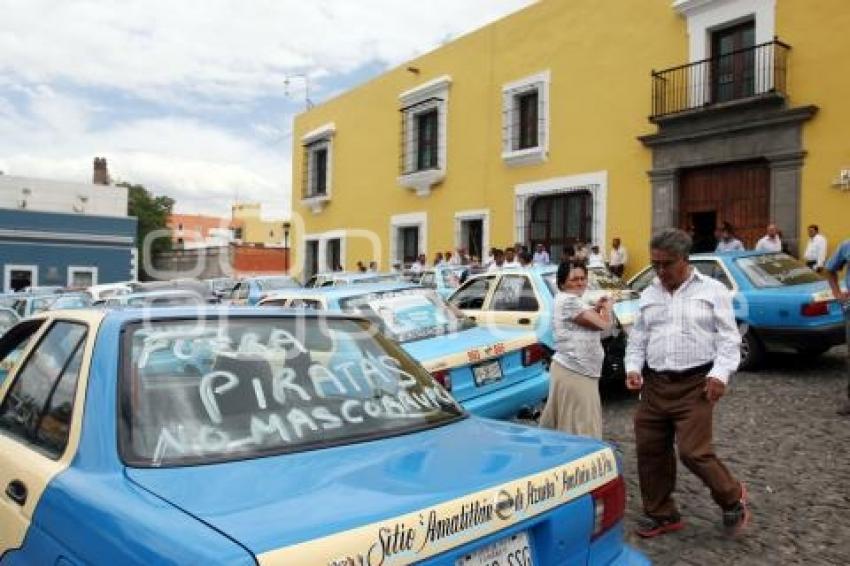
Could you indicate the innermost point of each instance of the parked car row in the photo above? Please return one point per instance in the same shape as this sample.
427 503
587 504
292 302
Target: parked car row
200 434
780 304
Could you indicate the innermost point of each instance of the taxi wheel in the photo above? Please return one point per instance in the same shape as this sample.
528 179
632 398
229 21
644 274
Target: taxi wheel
752 351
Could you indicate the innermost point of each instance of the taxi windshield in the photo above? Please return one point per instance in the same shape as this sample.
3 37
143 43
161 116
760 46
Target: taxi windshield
776 270
213 390
407 315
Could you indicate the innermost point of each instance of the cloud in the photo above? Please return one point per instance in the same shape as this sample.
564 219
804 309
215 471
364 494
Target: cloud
187 97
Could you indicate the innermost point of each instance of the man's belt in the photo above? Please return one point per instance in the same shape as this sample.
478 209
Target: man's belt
680 374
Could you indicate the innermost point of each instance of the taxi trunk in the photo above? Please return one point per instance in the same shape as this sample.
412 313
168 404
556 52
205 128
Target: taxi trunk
492 371
542 498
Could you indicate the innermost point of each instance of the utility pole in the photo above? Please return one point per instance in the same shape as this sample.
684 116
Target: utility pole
308 104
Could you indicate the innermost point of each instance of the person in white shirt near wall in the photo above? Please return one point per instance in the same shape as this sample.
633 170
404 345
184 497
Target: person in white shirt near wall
573 405
815 255
681 352
618 258
541 256
728 242
771 242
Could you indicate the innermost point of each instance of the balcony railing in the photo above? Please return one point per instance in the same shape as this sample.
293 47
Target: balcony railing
754 71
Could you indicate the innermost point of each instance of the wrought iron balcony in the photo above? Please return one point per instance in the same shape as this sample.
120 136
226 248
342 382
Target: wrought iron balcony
746 73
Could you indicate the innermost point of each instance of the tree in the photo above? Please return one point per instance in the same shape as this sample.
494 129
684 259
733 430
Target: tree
152 213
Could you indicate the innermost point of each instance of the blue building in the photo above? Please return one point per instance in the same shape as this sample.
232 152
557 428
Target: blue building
52 248
64 234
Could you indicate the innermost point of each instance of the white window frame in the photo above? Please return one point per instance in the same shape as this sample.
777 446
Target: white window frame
596 183
323 238
423 181
7 275
482 214
72 269
705 16
320 138
510 97
398 221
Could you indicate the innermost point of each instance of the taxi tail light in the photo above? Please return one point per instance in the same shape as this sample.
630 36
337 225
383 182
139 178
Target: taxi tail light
533 354
444 378
609 506
817 308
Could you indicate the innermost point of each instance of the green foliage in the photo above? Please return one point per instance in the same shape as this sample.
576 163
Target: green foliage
152 213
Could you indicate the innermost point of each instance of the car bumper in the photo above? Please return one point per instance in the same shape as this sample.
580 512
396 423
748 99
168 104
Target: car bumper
813 337
510 401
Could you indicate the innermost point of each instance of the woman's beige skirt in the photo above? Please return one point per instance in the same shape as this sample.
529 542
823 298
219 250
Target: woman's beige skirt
574 405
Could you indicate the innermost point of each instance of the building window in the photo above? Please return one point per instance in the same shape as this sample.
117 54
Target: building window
525 108
81 277
733 62
408 237
427 147
316 180
528 116
422 155
317 167
19 277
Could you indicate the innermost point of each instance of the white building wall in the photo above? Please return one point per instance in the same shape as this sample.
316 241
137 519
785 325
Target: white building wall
45 195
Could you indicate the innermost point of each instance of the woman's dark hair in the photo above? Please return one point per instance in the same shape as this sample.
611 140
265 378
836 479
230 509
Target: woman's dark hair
564 269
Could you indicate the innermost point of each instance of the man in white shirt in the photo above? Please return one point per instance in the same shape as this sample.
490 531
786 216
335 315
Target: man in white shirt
510 258
815 255
728 242
595 259
681 351
498 260
617 258
541 256
771 242
418 265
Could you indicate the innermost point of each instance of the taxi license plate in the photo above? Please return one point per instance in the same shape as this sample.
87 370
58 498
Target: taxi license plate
488 372
509 551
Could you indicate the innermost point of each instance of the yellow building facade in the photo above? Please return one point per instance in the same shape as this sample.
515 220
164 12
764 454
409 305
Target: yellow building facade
586 120
250 227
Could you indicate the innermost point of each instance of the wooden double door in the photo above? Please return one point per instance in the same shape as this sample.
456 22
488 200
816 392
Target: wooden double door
735 193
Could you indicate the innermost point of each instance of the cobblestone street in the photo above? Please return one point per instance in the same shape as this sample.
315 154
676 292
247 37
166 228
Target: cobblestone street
777 430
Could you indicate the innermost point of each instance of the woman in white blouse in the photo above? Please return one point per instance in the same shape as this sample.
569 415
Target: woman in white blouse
574 405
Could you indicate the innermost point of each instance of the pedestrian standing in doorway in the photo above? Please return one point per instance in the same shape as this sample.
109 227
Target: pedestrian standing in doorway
418 265
682 350
770 242
728 242
596 258
510 258
841 260
541 256
581 252
574 406
815 255
617 258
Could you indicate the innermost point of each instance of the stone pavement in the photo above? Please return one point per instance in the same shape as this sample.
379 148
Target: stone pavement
776 430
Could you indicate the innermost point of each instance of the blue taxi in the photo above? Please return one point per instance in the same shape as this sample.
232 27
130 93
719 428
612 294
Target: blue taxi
444 279
256 436
780 304
525 297
495 372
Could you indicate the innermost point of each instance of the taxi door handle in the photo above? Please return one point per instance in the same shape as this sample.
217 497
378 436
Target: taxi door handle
524 321
17 492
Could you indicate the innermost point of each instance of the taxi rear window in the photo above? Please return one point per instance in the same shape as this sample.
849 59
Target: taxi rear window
776 270
213 390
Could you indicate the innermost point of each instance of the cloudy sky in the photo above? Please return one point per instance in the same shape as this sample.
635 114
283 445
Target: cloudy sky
188 97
